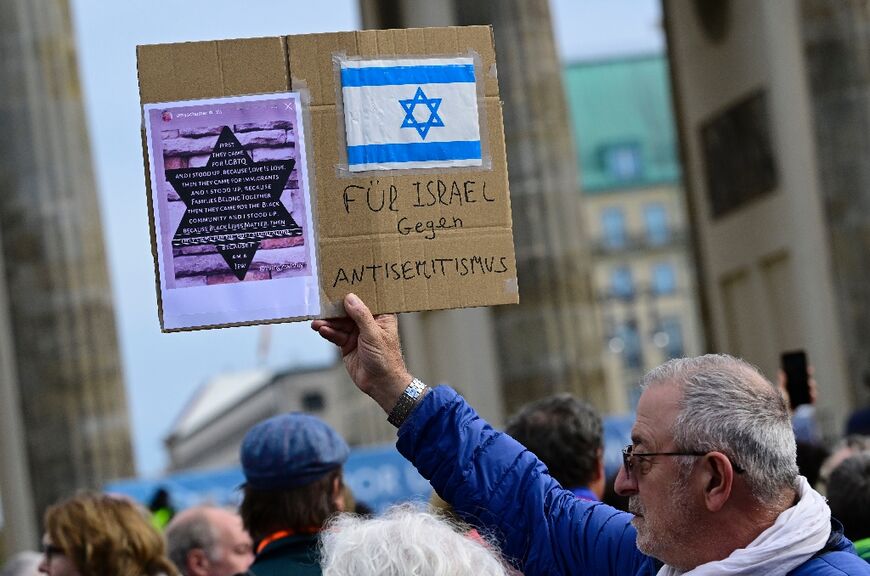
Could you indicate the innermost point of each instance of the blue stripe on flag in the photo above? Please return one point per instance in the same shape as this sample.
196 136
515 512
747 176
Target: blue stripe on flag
413 152
394 75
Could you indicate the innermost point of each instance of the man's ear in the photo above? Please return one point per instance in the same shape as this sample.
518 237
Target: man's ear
717 477
338 494
197 562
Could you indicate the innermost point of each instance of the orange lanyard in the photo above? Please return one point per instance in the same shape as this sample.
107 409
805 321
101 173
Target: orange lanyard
283 534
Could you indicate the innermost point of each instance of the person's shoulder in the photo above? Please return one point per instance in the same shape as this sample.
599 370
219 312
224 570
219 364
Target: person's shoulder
833 564
281 569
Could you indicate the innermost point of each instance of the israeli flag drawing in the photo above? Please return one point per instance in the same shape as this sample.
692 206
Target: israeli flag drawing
410 113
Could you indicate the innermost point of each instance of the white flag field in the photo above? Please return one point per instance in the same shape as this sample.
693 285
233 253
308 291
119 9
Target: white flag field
410 113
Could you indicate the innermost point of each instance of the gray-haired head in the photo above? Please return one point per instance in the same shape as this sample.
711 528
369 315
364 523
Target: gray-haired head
189 530
728 406
404 540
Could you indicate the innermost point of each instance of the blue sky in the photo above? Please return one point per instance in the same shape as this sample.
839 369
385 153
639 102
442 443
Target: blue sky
162 371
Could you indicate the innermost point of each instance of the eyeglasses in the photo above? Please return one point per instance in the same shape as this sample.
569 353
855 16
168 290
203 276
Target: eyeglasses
51 550
628 455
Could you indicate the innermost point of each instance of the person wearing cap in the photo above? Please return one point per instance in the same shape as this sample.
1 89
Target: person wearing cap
293 483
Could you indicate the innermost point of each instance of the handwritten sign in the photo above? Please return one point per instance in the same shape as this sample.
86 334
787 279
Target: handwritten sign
410 209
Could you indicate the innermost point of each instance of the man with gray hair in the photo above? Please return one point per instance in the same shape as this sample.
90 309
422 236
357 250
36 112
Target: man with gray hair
711 472
209 541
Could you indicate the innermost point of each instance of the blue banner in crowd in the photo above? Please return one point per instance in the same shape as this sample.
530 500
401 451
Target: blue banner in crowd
377 475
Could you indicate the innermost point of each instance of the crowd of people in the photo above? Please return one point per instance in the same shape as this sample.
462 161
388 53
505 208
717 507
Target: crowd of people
710 484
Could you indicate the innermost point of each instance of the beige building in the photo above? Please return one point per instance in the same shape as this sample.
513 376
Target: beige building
772 101
209 431
634 213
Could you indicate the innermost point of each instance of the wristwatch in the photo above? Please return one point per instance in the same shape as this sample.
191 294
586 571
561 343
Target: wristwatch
409 399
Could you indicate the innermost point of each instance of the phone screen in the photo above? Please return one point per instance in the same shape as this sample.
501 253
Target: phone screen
794 364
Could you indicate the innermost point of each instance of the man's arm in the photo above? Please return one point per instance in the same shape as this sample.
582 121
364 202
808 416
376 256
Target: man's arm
488 477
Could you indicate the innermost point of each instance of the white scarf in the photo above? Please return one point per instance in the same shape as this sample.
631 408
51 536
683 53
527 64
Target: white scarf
798 533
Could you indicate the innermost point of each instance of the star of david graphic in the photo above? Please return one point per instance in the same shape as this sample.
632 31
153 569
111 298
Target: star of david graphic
411 121
233 203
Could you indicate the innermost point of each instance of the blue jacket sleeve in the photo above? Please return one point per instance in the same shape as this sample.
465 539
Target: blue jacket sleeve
498 485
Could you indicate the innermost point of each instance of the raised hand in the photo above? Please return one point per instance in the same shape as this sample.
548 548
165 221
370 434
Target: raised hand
370 349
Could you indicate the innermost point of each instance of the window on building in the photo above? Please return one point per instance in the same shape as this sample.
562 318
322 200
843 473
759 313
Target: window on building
621 282
672 329
313 402
655 218
622 161
632 351
613 227
664 278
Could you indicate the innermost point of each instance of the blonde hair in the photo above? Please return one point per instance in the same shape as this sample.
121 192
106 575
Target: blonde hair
103 535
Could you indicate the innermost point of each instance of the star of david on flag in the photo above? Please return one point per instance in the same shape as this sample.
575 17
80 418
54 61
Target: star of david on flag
410 113
411 121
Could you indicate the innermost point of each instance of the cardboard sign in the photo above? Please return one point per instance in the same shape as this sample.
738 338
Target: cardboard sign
285 172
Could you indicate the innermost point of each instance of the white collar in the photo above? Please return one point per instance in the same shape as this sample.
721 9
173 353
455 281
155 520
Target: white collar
798 533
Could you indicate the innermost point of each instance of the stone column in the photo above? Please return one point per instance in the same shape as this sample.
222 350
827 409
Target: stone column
62 325
551 341
19 517
840 32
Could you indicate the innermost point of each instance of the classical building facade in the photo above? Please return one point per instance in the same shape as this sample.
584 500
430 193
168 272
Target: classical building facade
633 211
772 107
208 432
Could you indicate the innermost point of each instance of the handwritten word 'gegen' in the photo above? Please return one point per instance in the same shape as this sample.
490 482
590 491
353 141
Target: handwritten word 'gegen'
428 227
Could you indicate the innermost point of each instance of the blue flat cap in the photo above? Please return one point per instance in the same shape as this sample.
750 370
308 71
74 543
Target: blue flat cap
290 450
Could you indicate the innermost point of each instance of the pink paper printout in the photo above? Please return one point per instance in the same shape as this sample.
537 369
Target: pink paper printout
232 211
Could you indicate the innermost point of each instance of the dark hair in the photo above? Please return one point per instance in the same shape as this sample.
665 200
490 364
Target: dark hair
565 433
849 495
810 457
264 512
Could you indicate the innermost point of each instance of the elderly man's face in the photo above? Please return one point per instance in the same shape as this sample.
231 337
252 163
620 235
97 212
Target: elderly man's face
665 510
236 548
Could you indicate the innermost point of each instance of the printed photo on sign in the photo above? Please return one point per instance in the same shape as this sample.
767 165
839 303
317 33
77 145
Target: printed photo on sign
231 209
410 113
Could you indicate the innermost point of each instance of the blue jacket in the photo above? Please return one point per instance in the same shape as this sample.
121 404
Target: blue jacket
495 483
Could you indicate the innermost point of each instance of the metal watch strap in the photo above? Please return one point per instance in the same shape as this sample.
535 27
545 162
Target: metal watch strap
407 402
